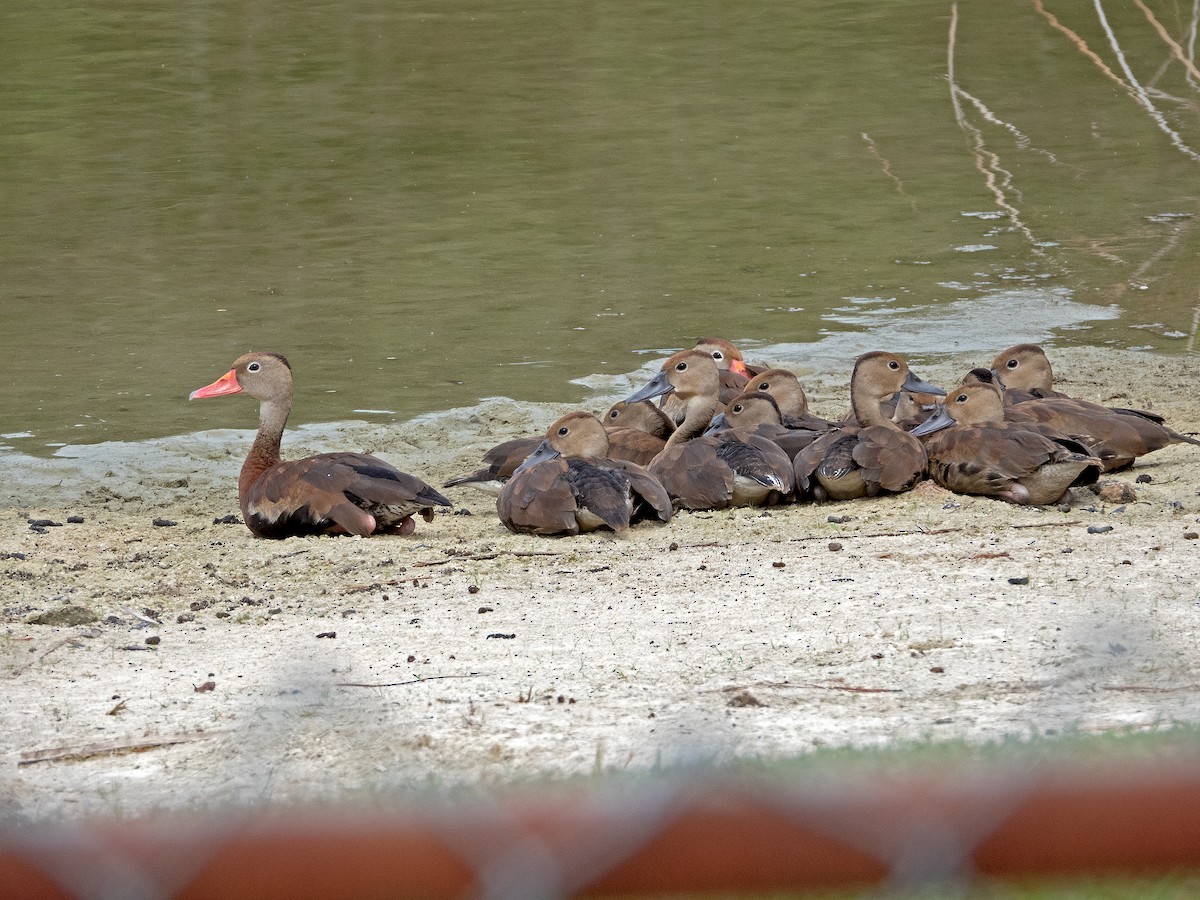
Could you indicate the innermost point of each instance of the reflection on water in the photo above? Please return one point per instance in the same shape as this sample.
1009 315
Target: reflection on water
425 206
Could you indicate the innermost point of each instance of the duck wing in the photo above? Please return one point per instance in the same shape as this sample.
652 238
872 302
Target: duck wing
351 492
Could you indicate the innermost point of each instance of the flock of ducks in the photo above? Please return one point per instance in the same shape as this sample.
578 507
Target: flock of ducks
710 432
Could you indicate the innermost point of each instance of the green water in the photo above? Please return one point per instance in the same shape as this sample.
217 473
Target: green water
423 205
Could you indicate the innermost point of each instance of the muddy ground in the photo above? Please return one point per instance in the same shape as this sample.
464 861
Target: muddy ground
249 671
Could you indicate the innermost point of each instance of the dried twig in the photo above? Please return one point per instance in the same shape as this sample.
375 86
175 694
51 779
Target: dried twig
403 683
808 684
105 748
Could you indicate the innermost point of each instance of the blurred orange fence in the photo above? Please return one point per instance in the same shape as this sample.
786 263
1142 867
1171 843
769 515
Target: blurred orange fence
652 836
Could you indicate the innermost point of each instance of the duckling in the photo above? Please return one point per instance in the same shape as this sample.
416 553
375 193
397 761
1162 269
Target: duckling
732 373
567 485
714 471
1117 435
499 463
640 416
860 460
787 391
972 449
692 377
723 469
634 444
758 413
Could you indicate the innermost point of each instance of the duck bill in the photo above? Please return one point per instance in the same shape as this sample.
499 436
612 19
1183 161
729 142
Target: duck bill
740 367
226 384
915 384
656 388
939 420
541 453
719 423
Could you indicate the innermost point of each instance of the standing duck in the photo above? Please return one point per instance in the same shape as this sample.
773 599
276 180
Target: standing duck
874 455
569 485
973 450
699 471
1117 435
331 493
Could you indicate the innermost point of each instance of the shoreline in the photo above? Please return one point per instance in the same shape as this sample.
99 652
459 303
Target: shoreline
718 636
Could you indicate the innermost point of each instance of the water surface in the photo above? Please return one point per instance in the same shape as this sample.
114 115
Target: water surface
426 205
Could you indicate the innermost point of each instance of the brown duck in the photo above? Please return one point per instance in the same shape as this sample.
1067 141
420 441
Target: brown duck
628 443
787 391
1117 435
973 450
712 471
568 485
330 493
874 455
758 413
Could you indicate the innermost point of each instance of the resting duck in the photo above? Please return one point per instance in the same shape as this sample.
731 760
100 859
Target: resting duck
628 443
331 493
640 416
785 388
973 450
568 485
693 380
758 413
874 455
732 373
1117 435
499 463
712 471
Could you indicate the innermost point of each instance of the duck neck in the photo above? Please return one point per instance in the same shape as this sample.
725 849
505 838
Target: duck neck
264 452
700 411
866 410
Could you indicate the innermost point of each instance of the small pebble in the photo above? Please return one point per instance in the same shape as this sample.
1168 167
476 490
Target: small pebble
462 511
1099 529
185 617
674 546
75 520
411 658
472 589
835 546
153 641
204 688
486 609
937 670
503 637
778 564
1143 479
326 634
1190 535
227 520
1019 579
837 520
44 523
164 523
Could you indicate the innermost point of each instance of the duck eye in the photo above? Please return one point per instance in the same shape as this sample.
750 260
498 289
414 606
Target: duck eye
892 364
1011 364
961 398
681 367
765 386
613 413
717 354
253 367
563 431
738 408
